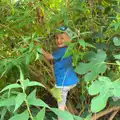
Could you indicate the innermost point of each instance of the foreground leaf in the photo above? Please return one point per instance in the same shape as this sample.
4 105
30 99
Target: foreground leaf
3 112
117 56
27 83
7 102
116 41
98 103
19 100
10 87
62 114
22 116
40 115
32 100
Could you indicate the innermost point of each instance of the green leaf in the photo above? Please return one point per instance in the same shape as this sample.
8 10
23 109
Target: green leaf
40 115
116 91
116 41
117 56
100 56
22 116
28 59
38 49
82 43
21 74
118 62
98 103
35 84
94 67
62 114
10 87
19 100
90 76
116 25
105 89
7 102
36 102
82 68
27 83
104 79
69 50
77 118
92 89
3 112
89 55
37 56
98 67
88 117
31 46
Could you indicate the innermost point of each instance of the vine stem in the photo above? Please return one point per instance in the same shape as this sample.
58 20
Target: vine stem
29 110
111 63
26 102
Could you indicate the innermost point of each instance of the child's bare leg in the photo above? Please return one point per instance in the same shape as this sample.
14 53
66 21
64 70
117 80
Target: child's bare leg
62 104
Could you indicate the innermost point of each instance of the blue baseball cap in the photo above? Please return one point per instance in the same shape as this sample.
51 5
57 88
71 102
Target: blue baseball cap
67 30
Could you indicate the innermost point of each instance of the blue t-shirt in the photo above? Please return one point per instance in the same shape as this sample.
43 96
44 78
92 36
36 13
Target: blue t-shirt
64 72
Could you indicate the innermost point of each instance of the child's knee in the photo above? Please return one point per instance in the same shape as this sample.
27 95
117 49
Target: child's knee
64 93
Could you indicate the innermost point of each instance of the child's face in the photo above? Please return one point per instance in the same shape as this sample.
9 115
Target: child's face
61 39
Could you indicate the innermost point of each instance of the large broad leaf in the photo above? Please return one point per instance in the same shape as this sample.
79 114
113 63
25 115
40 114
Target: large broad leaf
98 103
103 88
95 88
117 56
116 86
98 67
7 102
116 41
82 68
62 114
94 67
32 100
10 87
19 100
22 116
89 55
90 76
104 79
40 115
100 56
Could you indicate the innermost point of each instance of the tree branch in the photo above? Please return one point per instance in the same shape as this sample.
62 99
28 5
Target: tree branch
100 114
113 115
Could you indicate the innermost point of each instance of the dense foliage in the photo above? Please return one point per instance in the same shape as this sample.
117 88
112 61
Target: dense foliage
28 25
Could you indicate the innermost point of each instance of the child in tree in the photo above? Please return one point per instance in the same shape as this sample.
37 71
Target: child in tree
65 76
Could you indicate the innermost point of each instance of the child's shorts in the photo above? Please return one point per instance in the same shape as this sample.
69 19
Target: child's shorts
64 93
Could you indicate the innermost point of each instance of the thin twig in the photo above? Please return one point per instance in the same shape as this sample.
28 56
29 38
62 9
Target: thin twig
113 115
101 114
17 34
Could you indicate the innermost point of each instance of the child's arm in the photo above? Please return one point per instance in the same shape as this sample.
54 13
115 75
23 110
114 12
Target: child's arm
47 55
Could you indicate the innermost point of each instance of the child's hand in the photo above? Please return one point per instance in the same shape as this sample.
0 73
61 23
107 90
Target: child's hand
47 55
